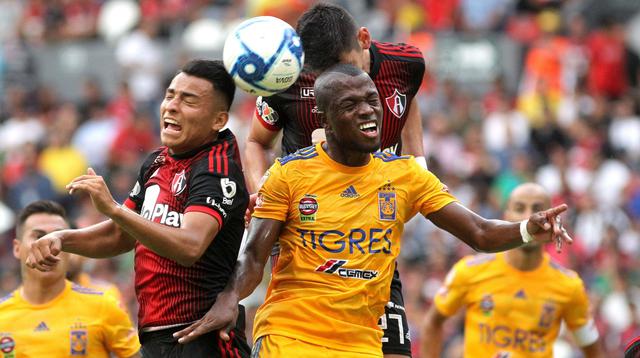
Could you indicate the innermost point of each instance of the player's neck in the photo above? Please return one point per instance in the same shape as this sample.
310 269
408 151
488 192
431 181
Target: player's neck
41 291
367 60
346 157
524 260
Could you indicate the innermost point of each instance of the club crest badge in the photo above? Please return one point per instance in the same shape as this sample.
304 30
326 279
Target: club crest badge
78 342
179 183
387 206
397 103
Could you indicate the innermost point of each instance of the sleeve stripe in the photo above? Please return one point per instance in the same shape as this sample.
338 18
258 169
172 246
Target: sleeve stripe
586 334
207 210
225 159
130 204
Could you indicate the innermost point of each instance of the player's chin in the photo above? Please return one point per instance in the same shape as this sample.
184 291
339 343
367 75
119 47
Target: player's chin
531 246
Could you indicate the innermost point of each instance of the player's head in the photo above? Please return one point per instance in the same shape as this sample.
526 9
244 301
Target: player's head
330 35
34 221
351 108
196 105
525 200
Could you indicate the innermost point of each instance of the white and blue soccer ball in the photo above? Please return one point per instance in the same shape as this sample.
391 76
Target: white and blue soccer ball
263 55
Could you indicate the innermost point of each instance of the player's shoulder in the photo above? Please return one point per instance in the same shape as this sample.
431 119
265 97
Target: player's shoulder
298 157
474 262
85 291
7 299
220 158
564 272
398 51
388 157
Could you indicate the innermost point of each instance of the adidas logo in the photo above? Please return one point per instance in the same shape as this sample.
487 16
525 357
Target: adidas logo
41 327
350 192
520 294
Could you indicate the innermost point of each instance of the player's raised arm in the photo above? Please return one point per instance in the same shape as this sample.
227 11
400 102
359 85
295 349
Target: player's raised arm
412 134
257 152
245 278
497 235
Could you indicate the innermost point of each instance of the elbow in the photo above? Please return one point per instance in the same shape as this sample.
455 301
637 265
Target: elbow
481 243
189 257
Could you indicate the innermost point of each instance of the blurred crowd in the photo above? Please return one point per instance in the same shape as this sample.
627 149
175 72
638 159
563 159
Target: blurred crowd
569 121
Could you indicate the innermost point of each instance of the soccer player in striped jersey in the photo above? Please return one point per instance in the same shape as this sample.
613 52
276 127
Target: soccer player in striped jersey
332 281
48 316
516 300
330 35
184 217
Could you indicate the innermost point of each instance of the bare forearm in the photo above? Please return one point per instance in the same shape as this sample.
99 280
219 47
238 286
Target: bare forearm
431 344
256 164
101 240
592 350
179 244
412 132
479 233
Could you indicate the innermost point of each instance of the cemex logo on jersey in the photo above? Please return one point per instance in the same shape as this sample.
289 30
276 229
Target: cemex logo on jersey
334 266
397 103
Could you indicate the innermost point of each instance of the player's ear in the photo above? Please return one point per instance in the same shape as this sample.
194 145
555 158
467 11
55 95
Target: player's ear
364 38
16 248
219 121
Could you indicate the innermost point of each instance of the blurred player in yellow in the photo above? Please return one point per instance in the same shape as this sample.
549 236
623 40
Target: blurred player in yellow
49 316
516 300
338 210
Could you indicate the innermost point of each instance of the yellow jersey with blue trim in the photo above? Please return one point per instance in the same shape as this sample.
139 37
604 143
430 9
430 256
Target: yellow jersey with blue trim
79 322
512 313
341 235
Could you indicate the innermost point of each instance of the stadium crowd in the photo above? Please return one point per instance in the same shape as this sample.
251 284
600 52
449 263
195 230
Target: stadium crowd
569 121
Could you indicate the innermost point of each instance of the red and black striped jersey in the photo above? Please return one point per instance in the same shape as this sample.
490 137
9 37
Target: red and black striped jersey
397 70
209 180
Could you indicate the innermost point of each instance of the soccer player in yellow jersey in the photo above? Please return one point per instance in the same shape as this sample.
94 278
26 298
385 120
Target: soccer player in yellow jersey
515 301
338 210
49 316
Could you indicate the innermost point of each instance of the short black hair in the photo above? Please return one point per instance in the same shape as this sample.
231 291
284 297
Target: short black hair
40 207
323 87
326 32
214 72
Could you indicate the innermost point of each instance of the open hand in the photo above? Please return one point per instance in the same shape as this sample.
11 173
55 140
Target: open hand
222 316
95 186
546 226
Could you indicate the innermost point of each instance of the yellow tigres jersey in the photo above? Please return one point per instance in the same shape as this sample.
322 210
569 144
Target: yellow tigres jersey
78 323
512 313
341 236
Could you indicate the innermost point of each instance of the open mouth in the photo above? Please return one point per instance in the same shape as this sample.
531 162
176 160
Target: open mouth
370 129
172 125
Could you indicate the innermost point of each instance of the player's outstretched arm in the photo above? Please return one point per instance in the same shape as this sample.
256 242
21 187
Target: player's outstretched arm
431 342
256 153
245 278
498 235
101 240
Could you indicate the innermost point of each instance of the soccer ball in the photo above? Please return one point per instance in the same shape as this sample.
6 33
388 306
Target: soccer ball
263 55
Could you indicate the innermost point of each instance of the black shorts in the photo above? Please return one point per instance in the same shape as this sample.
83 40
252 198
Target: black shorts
162 344
394 322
